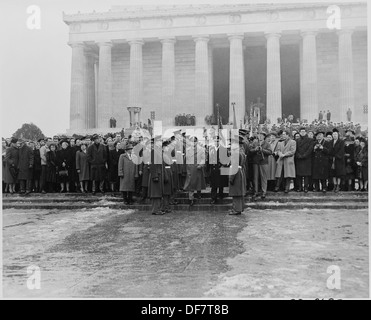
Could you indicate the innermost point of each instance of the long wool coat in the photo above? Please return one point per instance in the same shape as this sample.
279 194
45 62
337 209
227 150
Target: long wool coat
337 154
320 161
82 165
26 161
155 181
97 157
362 157
11 159
237 181
51 166
195 180
303 156
287 162
128 172
113 161
272 163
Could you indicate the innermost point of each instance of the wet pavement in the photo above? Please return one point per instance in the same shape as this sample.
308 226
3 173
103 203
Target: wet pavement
110 253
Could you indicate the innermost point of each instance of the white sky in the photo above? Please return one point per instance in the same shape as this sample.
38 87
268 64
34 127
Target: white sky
35 65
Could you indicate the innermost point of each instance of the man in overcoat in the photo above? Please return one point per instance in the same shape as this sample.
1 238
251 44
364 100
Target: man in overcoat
155 182
97 157
25 167
237 179
128 173
285 153
214 165
303 160
260 150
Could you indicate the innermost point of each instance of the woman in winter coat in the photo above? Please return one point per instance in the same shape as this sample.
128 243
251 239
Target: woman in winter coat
51 167
337 154
361 159
320 171
64 167
37 167
82 167
11 165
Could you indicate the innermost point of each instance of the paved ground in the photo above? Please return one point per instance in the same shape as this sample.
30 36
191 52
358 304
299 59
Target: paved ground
112 253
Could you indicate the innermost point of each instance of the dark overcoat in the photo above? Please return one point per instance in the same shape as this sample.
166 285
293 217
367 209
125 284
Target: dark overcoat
11 160
337 153
26 162
237 178
303 156
51 166
195 180
168 187
113 161
97 158
64 156
155 182
36 164
320 160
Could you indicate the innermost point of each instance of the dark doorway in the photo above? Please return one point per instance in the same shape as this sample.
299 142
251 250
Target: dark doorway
256 77
290 79
221 82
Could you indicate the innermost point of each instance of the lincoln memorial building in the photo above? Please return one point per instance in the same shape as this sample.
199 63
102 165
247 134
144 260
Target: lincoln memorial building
138 63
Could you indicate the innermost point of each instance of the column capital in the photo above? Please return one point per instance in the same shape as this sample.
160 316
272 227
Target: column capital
135 41
104 44
269 35
204 38
311 32
232 36
76 44
167 40
345 31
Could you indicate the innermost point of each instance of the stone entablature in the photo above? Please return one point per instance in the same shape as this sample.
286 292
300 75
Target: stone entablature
150 24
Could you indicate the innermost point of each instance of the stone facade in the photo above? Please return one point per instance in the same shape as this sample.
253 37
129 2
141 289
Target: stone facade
161 59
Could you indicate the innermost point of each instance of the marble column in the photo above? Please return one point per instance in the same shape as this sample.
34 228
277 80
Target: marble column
236 78
78 90
131 115
104 85
309 99
202 81
211 81
346 77
136 73
90 90
168 81
274 96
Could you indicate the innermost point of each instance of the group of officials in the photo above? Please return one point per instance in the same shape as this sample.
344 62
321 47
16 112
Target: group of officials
158 168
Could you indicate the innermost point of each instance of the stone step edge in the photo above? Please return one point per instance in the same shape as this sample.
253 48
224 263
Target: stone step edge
195 207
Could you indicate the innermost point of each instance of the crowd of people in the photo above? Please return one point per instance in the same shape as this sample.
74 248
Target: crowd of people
141 166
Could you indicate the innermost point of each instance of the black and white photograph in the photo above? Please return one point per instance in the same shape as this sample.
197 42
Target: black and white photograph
182 149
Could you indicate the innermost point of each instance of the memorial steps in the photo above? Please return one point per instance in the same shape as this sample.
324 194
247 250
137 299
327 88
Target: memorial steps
273 201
